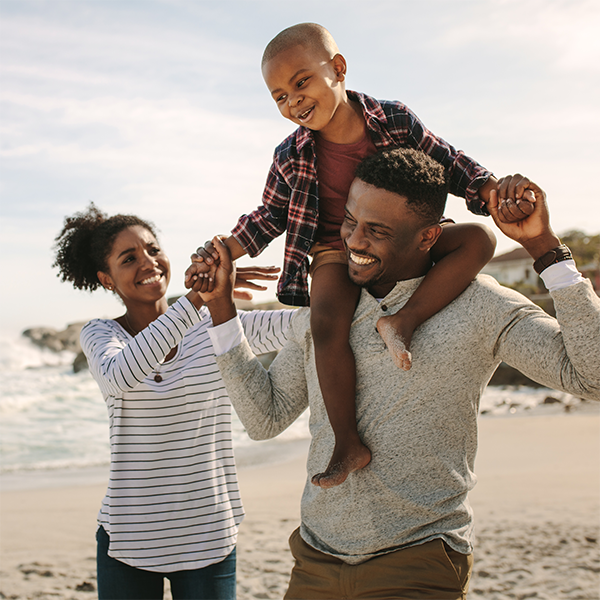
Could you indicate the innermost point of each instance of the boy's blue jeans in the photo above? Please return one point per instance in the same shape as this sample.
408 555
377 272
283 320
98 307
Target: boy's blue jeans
118 581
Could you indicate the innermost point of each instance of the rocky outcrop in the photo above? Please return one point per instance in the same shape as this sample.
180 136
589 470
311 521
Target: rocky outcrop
57 341
507 375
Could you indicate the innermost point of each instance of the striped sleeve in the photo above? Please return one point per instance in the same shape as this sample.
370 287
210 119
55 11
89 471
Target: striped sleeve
266 329
120 364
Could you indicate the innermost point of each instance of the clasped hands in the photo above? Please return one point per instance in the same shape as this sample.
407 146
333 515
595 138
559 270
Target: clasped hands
218 277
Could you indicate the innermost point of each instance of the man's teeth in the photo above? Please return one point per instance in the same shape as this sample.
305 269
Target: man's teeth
361 260
151 280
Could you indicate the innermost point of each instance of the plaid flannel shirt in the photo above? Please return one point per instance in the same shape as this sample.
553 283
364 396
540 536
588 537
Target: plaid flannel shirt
291 195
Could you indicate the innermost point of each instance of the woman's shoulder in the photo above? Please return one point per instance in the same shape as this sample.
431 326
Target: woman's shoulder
101 328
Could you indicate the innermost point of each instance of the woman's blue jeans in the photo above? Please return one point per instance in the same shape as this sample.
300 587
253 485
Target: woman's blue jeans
118 581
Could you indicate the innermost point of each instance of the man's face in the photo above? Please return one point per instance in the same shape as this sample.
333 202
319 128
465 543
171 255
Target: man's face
385 240
306 85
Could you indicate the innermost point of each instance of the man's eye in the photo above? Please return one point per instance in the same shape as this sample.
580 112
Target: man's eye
154 251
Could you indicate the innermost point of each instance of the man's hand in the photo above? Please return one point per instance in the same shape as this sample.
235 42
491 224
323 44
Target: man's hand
218 293
513 205
533 232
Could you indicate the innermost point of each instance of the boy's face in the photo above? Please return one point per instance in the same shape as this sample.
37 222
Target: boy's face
306 85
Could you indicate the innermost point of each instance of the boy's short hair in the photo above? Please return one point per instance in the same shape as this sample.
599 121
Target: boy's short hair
310 35
412 174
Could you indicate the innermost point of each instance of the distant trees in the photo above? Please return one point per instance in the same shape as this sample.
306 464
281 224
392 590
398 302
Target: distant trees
585 248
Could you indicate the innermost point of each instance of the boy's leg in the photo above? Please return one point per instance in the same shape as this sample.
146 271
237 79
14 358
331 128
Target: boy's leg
459 254
333 300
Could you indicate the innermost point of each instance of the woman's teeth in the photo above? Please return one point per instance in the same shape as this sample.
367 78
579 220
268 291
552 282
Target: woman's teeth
151 280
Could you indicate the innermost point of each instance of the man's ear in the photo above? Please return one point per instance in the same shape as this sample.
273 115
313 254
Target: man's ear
105 280
339 66
429 236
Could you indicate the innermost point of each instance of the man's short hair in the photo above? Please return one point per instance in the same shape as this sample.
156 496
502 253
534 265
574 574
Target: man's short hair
412 174
309 35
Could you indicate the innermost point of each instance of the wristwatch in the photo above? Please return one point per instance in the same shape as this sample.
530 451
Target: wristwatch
555 255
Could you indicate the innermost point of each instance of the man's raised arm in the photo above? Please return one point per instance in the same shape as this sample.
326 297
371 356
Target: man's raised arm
266 402
561 355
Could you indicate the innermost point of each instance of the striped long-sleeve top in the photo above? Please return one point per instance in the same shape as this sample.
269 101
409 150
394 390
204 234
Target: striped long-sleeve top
172 501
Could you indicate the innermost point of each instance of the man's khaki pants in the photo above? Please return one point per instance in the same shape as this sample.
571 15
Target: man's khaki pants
431 571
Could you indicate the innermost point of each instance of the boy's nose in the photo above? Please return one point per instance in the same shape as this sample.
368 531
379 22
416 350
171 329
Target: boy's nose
295 100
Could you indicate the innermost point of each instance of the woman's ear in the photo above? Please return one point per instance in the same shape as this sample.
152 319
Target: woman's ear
106 281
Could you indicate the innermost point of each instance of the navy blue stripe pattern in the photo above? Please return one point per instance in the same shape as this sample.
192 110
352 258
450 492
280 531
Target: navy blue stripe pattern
172 501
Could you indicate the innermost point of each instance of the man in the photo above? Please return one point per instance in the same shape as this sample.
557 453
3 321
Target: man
402 527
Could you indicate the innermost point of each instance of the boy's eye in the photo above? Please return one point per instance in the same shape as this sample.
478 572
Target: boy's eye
280 98
302 82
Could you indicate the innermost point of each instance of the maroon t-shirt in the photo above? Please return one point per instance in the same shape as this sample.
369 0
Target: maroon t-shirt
336 164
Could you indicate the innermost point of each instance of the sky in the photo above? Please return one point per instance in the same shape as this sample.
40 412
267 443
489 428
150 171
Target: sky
158 108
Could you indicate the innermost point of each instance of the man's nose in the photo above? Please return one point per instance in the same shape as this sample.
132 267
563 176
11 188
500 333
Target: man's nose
356 238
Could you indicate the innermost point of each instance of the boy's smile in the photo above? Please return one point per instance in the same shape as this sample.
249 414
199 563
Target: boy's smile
308 87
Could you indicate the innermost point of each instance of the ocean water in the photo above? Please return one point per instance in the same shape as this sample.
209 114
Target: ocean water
52 418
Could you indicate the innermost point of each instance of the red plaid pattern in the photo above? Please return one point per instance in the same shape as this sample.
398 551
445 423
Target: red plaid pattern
291 196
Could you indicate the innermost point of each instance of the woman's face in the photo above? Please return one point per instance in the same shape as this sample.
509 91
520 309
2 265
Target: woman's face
138 270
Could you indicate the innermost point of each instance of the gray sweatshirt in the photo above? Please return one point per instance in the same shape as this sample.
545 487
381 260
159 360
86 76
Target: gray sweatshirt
421 425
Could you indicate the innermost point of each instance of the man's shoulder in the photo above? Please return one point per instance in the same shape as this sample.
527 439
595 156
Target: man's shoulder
300 322
488 287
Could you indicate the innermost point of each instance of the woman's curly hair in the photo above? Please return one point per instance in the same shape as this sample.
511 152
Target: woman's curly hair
85 243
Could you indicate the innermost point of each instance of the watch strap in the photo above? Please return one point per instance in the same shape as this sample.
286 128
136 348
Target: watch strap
555 255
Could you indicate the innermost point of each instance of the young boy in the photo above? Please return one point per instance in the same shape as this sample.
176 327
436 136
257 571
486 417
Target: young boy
305 195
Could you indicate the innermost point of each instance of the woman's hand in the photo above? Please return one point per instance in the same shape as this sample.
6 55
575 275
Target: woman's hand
245 275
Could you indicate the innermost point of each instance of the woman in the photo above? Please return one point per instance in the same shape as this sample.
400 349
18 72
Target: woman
172 508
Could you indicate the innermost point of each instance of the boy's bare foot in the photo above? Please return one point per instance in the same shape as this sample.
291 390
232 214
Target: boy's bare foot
343 462
397 336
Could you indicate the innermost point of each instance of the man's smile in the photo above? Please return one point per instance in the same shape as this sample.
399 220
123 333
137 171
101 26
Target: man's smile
361 260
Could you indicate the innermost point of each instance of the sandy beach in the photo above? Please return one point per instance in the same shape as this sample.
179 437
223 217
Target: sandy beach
537 507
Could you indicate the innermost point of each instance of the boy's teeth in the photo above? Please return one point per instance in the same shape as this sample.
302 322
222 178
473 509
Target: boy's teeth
361 260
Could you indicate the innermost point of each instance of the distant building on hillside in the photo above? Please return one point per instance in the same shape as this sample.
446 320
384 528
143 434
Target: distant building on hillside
513 267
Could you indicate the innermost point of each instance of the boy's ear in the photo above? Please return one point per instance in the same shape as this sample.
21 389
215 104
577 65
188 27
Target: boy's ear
339 66
429 236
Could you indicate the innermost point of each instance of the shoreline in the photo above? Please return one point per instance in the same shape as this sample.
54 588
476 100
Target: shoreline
536 504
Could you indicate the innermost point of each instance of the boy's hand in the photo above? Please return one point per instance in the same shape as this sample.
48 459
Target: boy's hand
515 201
533 232
207 253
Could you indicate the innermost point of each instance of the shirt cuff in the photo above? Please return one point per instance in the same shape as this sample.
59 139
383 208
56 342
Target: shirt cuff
561 275
226 336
